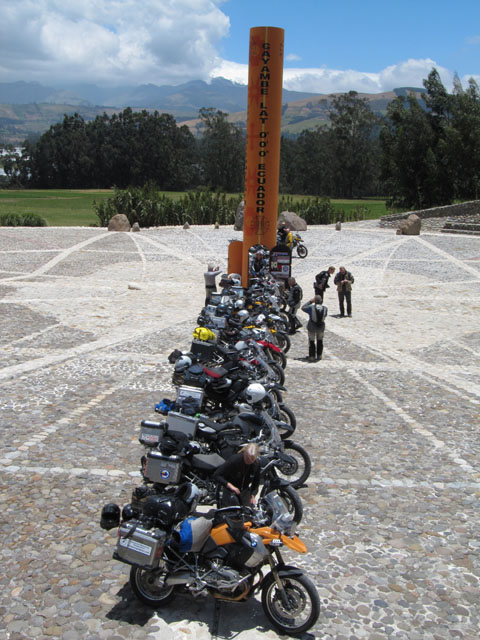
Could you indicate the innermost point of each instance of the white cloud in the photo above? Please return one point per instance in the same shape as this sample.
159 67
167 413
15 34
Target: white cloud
473 40
110 41
117 42
410 73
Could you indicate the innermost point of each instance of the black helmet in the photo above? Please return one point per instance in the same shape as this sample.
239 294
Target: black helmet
110 516
162 511
128 512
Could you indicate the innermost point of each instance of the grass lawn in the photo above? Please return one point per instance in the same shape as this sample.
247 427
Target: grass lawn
74 207
376 207
60 208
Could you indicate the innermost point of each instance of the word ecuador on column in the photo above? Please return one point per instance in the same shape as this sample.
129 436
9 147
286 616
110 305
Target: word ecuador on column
265 78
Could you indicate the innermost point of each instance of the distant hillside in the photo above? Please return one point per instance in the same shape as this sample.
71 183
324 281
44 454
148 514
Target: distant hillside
29 108
311 112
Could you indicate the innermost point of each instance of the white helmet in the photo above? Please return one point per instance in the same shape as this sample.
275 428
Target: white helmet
239 304
243 314
183 363
255 392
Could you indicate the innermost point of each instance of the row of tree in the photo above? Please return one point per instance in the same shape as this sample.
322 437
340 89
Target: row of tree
419 154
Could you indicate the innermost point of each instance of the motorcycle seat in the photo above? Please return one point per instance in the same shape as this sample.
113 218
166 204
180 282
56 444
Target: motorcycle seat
207 461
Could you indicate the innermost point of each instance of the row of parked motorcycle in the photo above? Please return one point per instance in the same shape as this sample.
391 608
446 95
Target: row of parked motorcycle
174 533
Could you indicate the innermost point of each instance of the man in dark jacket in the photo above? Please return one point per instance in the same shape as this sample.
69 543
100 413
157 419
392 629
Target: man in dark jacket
321 281
294 300
344 281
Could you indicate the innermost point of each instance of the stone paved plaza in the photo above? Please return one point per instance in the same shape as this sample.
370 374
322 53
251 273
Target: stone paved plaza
390 417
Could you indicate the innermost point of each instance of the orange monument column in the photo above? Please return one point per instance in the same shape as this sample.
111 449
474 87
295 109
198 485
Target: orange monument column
265 78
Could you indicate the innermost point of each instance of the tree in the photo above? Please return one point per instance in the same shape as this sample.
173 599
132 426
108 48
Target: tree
352 150
462 139
406 139
222 152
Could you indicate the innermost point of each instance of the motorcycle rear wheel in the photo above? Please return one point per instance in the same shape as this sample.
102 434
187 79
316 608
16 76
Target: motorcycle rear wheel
143 585
302 251
303 607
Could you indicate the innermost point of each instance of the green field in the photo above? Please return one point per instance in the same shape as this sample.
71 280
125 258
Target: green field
72 207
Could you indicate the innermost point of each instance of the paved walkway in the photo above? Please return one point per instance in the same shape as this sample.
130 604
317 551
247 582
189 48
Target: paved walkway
390 417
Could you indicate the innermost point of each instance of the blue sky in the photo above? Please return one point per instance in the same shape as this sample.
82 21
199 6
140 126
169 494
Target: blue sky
368 45
365 35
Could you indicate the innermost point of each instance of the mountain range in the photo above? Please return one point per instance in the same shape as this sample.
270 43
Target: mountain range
30 108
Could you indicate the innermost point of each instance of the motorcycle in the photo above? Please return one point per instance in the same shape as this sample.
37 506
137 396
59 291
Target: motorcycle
297 244
173 459
222 555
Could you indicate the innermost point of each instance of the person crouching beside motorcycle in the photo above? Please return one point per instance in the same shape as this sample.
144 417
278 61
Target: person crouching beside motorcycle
239 477
317 313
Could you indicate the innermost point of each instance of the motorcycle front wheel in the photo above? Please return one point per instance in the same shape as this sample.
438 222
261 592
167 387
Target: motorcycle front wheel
278 357
297 471
302 251
302 608
277 372
292 501
283 341
145 587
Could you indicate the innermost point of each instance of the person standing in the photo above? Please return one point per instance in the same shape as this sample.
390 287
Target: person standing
282 234
317 313
344 281
210 283
294 300
321 281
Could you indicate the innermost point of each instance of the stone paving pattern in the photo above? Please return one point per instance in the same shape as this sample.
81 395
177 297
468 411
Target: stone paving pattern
390 417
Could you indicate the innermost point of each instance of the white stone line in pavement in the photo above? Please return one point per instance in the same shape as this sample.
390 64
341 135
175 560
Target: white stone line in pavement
141 253
35 334
21 251
418 428
418 365
447 256
166 248
343 258
14 371
386 366
40 436
421 285
344 483
54 261
460 345
387 261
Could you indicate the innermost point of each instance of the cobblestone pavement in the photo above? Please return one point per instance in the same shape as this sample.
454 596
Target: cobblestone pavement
390 417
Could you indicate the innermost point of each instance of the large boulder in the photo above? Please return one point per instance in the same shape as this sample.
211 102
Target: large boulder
119 222
294 222
238 226
410 227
